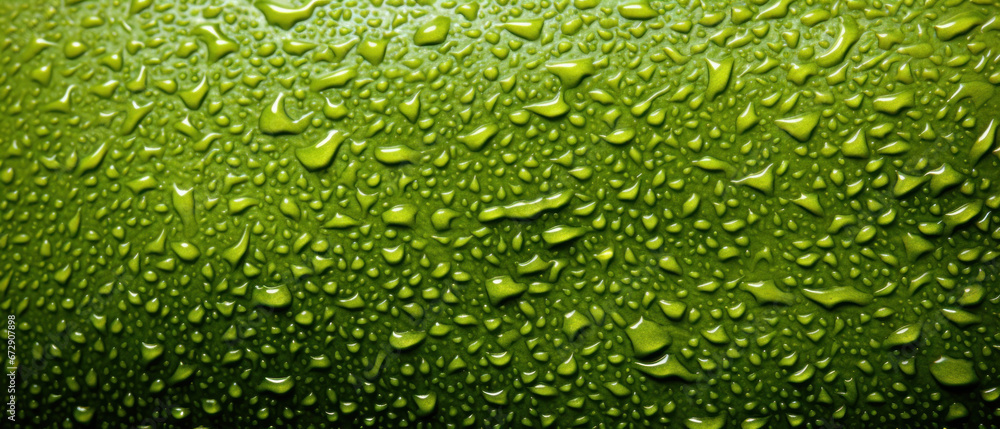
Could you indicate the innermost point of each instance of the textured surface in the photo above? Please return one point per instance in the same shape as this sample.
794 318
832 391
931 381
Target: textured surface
501 214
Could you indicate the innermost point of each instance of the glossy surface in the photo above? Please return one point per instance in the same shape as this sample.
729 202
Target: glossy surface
514 214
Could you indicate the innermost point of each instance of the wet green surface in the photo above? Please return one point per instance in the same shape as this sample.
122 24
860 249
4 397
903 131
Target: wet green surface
514 214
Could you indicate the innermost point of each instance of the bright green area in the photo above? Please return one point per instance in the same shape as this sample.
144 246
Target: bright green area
390 213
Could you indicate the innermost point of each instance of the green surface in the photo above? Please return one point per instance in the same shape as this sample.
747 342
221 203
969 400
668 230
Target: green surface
542 213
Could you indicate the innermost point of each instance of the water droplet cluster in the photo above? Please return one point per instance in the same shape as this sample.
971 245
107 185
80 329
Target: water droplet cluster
539 213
